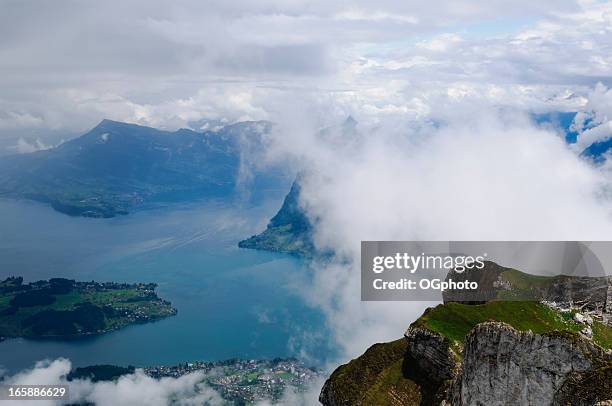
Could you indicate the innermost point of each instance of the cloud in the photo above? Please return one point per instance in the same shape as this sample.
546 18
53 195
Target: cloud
445 151
68 64
595 123
13 119
440 43
23 146
134 389
480 173
139 389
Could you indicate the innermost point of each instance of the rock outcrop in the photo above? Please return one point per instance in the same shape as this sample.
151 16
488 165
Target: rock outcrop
504 366
495 364
375 378
289 231
432 354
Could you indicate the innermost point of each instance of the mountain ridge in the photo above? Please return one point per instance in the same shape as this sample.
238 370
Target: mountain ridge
492 352
116 167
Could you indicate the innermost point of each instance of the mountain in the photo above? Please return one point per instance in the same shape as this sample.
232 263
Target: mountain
495 282
476 361
116 167
289 231
498 352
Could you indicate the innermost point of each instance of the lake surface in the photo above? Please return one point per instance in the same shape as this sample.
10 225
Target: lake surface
232 302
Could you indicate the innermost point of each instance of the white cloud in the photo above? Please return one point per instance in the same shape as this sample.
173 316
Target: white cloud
23 146
363 15
13 119
440 43
165 64
481 174
138 389
134 389
446 150
595 124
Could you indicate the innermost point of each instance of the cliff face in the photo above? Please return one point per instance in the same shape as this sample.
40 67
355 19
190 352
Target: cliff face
432 354
494 363
504 366
289 230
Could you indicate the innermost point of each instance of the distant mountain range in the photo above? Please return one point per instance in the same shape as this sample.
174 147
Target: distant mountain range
117 167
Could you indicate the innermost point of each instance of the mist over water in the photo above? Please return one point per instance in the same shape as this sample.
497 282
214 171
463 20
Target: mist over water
232 302
482 174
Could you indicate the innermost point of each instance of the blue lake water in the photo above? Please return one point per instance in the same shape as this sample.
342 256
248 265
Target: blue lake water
232 302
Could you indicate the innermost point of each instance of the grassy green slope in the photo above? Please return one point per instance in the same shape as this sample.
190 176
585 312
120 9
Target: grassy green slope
375 378
125 306
383 376
455 320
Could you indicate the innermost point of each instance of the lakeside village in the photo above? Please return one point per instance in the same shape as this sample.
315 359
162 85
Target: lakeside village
246 381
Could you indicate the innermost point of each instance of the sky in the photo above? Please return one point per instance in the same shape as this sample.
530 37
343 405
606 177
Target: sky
67 64
445 148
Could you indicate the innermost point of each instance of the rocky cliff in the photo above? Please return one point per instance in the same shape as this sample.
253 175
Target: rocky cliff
504 366
289 231
458 354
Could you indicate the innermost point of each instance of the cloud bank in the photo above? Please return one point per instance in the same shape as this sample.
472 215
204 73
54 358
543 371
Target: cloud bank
481 174
134 389
137 389
68 64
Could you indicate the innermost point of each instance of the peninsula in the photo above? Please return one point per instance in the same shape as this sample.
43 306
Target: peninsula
61 307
